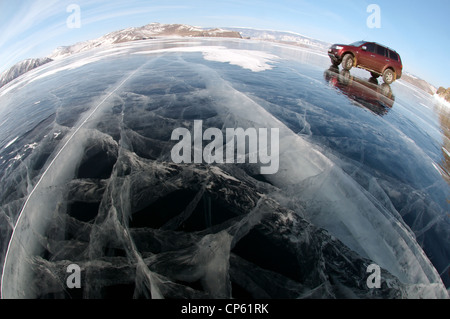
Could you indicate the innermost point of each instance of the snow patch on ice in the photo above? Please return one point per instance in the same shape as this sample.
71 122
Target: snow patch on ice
16 158
255 61
31 146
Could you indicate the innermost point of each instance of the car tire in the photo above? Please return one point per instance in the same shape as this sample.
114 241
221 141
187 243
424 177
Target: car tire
374 75
388 76
347 62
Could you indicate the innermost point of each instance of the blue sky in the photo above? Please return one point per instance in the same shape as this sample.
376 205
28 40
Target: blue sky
418 30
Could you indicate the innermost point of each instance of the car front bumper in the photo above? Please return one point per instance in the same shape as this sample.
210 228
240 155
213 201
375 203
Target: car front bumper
334 56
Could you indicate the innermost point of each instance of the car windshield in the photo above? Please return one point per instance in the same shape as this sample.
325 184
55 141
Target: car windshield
357 44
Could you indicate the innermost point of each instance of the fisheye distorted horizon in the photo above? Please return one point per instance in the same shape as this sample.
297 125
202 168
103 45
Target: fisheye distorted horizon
417 30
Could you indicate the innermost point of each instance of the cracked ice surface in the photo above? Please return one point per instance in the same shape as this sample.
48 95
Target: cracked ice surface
99 188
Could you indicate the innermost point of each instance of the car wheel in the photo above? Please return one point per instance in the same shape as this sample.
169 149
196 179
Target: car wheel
347 62
388 76
374 75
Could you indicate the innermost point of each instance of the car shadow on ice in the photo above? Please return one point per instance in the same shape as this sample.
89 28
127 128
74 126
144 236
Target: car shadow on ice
367 93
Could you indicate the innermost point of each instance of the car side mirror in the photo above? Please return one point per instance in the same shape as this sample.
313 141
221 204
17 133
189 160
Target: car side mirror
364 48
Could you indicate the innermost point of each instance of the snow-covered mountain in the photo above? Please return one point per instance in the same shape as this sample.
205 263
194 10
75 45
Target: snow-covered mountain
419 83
282 37
21 68
148 31
152 30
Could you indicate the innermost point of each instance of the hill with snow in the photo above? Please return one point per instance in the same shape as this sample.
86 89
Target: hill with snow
281 37
419 83
21 68
149 31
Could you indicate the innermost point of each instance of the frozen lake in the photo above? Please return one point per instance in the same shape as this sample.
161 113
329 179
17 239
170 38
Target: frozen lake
87 177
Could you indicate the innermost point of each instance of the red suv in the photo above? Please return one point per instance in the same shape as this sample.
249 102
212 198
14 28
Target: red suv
371 56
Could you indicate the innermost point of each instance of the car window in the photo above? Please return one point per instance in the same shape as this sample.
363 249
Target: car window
370 47
393 55
380 50
357 44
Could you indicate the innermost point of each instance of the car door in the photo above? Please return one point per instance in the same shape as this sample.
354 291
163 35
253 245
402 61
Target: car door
381 59
366 57
394 61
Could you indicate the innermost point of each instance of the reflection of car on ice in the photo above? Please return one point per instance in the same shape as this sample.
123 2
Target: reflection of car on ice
373 57
377 98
